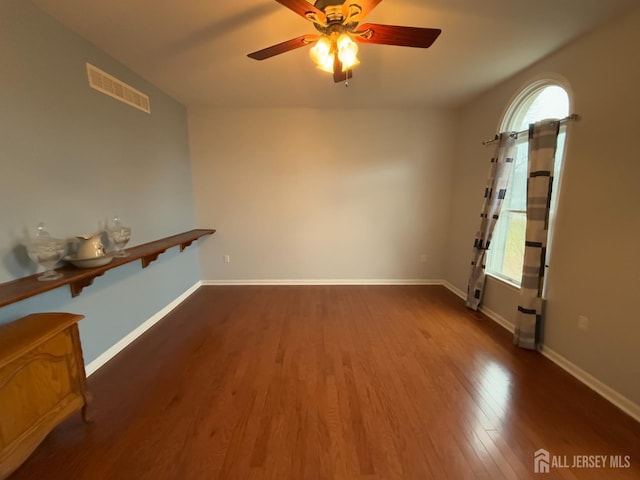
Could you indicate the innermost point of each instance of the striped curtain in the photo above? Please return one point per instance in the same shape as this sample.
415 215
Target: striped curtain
494 193
542 151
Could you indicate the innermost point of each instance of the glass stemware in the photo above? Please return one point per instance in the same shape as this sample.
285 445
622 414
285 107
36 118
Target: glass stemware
119 235
46 251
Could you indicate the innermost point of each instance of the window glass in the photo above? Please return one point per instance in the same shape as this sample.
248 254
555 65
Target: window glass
506 253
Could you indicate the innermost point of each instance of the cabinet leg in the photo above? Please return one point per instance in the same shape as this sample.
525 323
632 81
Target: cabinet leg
86 412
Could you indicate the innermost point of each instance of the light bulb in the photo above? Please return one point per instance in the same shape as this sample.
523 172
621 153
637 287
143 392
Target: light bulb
320 50
321 55
326 65
347 52
343 40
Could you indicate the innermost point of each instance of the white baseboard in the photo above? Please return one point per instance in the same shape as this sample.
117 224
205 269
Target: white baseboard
366 281
119 346
623 403
499 319
619 400
455 290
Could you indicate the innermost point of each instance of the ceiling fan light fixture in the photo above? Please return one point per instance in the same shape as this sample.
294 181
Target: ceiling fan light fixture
339 23
324 51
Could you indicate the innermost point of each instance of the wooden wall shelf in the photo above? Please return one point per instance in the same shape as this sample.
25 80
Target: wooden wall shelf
78 278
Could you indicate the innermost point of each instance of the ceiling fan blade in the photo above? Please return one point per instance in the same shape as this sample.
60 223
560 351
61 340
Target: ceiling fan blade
356 10
338 74
395 35
283 47
305 10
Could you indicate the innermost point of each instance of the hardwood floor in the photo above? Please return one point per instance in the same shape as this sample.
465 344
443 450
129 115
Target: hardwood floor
332 382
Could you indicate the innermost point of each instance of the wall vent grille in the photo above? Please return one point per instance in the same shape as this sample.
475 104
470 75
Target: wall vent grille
110 85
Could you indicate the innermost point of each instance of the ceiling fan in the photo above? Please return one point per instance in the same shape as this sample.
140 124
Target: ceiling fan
338 22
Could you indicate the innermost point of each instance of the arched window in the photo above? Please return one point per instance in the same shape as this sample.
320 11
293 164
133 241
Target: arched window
539 101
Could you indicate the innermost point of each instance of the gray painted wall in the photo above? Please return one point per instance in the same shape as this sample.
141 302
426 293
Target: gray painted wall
71 156
595 257
369 201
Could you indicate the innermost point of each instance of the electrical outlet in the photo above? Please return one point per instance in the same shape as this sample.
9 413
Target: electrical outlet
583 323
227 259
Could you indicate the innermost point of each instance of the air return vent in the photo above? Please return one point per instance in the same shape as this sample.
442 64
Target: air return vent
110 85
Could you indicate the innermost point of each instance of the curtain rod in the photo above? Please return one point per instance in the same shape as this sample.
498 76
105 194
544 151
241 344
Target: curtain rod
573 116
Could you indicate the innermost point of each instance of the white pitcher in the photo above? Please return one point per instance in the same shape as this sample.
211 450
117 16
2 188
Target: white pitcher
90 246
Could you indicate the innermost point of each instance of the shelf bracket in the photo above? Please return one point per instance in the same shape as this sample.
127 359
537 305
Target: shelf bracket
184 245
152 257
78 285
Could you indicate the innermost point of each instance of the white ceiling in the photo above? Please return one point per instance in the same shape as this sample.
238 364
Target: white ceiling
195 50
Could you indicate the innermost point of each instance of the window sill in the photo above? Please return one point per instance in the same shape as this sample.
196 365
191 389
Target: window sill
506 282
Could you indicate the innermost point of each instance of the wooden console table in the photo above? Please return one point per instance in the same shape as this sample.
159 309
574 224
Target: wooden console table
42 382
78 278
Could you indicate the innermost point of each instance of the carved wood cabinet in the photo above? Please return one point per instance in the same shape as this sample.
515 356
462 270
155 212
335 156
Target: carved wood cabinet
42 382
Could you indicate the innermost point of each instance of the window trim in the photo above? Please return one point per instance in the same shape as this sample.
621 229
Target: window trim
519 102
527 90
504 279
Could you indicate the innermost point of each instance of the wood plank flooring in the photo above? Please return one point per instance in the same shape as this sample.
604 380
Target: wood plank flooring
332 382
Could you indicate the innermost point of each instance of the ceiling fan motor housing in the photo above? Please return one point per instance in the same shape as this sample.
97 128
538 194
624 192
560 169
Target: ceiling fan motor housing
336 23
